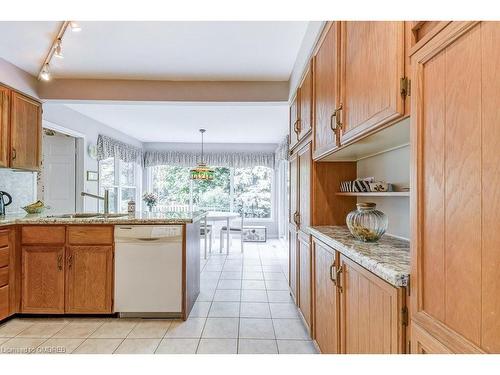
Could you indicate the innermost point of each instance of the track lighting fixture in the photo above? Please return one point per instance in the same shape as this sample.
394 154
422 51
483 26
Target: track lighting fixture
58 49
45 73
75 27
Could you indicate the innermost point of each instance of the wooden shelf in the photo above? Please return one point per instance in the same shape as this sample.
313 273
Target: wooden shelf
381 194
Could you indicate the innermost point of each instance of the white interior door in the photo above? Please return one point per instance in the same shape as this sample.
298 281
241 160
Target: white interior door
59 172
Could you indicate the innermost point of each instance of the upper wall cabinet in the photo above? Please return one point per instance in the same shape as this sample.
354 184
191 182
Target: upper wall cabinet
26 121
306 104
294 120
20 131
373 64
326 91
4 126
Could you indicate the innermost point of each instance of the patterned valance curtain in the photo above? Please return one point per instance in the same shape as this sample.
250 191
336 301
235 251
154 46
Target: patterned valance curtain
214 159
281 153
108 147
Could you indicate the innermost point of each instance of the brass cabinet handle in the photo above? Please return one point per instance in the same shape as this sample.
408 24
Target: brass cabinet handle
334 128
299 126
337 278
59 261
70 261
337 118
333 274
296 218
14 154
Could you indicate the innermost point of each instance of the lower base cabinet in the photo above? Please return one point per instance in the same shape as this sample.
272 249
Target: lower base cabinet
293 269
305 288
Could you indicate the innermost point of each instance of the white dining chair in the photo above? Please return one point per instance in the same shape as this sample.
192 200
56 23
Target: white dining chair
232 229
207 237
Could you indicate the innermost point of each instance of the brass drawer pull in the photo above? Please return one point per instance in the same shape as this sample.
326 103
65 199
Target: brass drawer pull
59 262
337 118
337 278
70 261
333 274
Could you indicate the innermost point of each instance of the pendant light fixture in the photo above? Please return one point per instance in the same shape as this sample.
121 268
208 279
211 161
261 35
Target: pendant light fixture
202 172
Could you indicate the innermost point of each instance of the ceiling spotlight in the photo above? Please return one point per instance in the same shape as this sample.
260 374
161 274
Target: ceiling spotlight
75 27
58 49
45 73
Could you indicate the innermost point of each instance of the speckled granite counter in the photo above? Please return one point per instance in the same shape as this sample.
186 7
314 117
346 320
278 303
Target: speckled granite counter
389 258
155 218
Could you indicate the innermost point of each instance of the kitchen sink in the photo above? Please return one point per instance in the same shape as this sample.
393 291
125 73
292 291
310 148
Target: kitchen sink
83 215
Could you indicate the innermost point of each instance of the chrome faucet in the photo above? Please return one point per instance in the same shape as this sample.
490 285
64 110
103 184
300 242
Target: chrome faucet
105 199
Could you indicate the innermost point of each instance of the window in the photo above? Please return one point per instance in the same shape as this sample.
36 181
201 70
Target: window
247 190
122 181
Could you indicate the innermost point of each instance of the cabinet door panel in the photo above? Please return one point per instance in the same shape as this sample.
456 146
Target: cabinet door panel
89 279
4 126
305 278
305 167
4 302
294 118
26 127
326 300
372 66
370 312
326 95
43 279
292 262
306 104
294 186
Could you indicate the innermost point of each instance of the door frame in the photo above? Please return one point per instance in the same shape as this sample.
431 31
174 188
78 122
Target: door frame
80 143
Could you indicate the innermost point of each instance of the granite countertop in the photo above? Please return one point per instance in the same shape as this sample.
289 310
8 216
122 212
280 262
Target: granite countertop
389 258
157 218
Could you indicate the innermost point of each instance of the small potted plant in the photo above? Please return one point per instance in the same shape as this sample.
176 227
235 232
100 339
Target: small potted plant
150 199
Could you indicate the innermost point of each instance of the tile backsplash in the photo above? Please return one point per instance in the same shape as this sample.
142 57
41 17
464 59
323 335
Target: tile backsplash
20 185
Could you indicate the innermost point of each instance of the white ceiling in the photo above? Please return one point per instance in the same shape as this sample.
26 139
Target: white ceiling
201 50
173 122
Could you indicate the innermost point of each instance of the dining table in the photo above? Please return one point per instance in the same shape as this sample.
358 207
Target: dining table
213 216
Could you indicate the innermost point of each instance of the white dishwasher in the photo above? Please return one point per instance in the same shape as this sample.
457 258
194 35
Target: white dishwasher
148 270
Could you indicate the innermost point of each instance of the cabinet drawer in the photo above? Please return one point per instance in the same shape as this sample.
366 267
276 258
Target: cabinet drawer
90 235
42 234
4 276
4 238
4 302
4 256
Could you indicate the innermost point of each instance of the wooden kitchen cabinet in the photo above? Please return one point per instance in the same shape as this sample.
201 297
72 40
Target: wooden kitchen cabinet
326 91
294 188
43 279
89 279
25 132
305 287
4 126
294 119
372 312
455 275
326 299
306 104
305 170
372 67
292 262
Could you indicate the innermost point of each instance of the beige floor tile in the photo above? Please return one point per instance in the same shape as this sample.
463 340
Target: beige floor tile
296 347
224 310
284 311
79 329
177 346
256 328
150 329
210 275
14 327
218 346
290 329
59 346
252 268
18 345
98 346
43 329
221 328
253 276
253 284
227 295
231 275
251 346
271 268
114 329
249 295
208 284
277 285
200 309
255 310
229 284
138 346
274 276
191 328
206 295
279 296
3 339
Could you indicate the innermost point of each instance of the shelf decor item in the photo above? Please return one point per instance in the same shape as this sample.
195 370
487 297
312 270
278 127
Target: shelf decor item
202 171
366 223
150 199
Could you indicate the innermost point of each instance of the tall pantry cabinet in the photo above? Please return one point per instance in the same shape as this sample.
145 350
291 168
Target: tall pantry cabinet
455 141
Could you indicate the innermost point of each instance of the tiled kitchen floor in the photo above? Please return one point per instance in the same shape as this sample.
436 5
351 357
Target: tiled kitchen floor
244 307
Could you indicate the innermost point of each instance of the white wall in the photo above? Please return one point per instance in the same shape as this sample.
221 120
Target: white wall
393 167
18 79
65 117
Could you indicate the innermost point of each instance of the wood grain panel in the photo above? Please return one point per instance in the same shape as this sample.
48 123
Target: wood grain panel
326 86
326 300
294 186
4 126
4 256
490 79
43 279
26 128
294 118
43 234
305 285
373 62
89 279
305 170
192 266
292 262
4 302
306 104
4 276
90 235
4 237
462 173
